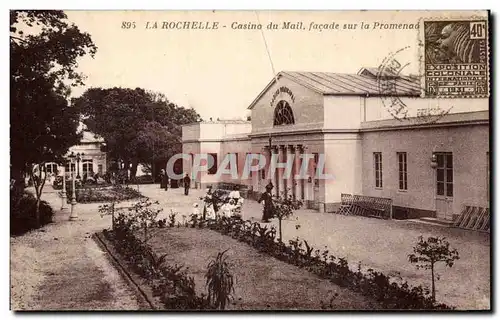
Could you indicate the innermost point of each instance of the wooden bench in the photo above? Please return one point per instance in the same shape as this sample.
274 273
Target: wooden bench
365 206
473 218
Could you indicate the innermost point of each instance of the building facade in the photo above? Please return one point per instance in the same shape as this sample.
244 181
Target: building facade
429 155
92 160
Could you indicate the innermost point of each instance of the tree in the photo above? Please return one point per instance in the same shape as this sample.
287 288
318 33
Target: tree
283 208
44 48
428 252
138 126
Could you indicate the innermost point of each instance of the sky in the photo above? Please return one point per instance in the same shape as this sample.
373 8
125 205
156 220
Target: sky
220 72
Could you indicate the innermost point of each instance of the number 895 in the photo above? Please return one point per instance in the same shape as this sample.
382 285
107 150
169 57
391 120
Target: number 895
128 25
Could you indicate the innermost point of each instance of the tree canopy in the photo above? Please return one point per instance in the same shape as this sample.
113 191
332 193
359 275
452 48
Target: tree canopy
138 126
44 49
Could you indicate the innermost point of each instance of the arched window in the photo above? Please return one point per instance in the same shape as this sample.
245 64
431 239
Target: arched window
283 114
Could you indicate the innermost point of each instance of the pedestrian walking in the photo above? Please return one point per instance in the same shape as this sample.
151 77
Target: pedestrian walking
187 184
162 177
267 198
166 182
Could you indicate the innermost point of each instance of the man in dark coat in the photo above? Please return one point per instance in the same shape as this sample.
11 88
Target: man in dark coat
162 179
267 197
187 184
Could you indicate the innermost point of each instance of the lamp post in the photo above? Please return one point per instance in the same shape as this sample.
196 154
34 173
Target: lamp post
63 196
73 215
79 157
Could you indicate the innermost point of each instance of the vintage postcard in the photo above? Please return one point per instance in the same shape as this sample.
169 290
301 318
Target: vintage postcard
250 160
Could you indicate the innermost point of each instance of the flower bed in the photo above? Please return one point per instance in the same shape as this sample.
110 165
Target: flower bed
103 194
391 295
169 284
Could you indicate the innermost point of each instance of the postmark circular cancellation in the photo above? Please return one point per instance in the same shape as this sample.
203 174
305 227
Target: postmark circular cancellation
453 63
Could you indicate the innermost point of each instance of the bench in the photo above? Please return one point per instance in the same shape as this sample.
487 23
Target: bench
244 190
366 206
473 218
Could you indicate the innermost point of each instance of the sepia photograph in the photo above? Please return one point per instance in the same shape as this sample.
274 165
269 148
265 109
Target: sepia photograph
251 160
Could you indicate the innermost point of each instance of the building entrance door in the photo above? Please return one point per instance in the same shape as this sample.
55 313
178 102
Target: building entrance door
444 208
444 186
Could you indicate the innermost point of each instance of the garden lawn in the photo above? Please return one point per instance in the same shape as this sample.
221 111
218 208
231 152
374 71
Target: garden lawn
261 282
375 243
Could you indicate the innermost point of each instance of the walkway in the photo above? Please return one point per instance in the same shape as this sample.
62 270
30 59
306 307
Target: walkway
60 267
379 244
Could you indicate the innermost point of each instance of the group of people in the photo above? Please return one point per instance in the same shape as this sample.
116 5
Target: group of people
231 205
165 181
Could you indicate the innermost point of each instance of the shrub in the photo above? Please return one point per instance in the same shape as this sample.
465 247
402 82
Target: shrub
219 281
171 218
23 216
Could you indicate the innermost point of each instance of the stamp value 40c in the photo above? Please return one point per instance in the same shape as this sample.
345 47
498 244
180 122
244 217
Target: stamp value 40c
456 58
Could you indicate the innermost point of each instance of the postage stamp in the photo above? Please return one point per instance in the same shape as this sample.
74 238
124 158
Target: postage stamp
391 78
456 57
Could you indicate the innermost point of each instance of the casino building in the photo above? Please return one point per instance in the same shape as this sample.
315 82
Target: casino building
429 155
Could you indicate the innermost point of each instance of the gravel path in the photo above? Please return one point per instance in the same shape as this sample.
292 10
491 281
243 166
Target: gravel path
60 267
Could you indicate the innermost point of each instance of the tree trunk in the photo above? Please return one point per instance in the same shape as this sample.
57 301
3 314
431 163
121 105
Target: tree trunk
153 171
113 215
433 283
279 226
38 182
133 169
37 212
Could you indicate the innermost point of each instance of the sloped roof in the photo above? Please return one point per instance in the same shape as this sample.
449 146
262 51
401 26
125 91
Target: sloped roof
366 82
228 121
89 137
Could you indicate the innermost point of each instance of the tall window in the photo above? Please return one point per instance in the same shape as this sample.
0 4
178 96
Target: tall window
248 164
67 169
213 168
444 174
236 161
283 114
99 169
377 159
51 168
230 156
403 171
87 166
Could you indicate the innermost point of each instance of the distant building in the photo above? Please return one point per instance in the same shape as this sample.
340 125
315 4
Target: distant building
428 165
94 158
